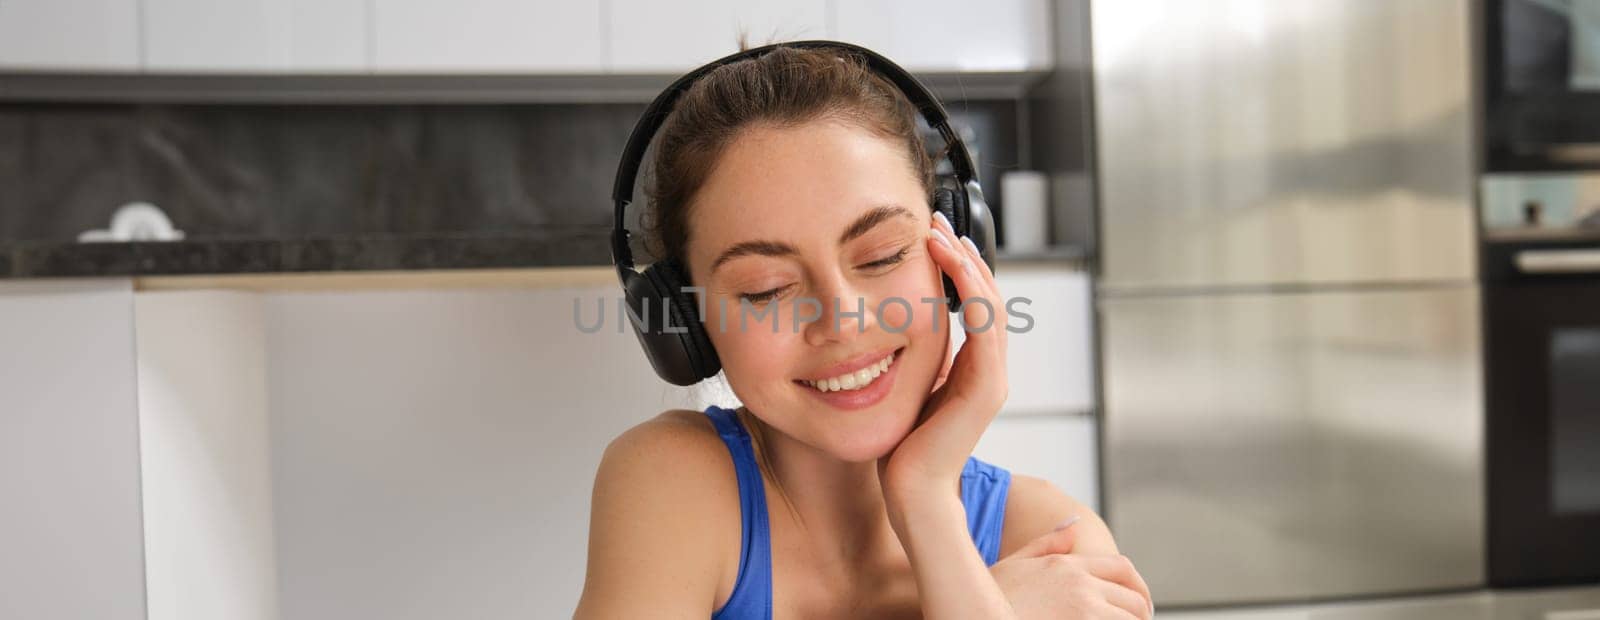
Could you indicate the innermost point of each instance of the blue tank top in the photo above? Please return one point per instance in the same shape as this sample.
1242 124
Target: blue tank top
983 493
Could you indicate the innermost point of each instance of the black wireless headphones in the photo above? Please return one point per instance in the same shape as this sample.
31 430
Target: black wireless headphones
669 324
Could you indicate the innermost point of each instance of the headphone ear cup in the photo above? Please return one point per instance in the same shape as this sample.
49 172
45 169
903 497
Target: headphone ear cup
962 218
678 358
977 222
945 201
686 313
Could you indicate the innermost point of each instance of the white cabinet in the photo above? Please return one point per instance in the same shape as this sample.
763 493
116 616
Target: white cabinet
205 457
950 35
330 36
255 36
69 35
649 36
443 428
487 36
353 37
1050 364
71 544
1060 449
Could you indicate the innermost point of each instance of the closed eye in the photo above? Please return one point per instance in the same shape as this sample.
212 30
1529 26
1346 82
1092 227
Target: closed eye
763 296
890 260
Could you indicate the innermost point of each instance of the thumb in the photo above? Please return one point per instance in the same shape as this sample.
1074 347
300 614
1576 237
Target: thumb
1059 540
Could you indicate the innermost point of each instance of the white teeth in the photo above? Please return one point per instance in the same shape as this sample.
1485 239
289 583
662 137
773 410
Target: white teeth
854 380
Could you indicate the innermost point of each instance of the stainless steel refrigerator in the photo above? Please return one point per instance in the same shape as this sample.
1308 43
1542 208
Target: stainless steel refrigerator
1288 302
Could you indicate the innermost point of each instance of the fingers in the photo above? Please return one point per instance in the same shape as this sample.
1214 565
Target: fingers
954 258
1144 590
972 258
977 256
1119 569
1112 612
1060 540
1126 599
961 260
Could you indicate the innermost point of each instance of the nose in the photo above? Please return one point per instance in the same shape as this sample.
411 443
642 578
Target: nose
845 313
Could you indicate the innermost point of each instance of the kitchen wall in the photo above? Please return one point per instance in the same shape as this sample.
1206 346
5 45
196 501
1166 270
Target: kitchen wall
275 171
284 171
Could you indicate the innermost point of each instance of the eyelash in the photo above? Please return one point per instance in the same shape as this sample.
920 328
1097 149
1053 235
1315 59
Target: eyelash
764 296
891 259
761 297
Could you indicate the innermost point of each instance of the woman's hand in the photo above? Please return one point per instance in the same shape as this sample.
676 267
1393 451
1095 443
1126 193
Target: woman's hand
922 475
1044 579
931 457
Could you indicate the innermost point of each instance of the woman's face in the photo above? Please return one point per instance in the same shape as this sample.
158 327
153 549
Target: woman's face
808 224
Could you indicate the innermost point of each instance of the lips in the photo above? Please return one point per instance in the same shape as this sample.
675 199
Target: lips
880 374
854 380
856 373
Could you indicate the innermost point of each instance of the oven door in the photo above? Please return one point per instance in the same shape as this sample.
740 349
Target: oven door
1543 367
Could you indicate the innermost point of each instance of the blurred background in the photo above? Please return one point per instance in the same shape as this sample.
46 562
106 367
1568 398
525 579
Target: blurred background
289 292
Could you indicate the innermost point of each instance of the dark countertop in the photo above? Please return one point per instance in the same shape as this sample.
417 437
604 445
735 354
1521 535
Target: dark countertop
60 259
584 247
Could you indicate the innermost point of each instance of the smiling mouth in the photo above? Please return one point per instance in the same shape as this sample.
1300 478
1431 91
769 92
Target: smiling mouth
851 381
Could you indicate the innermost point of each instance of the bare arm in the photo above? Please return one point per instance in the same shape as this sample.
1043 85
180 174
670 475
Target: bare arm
952 579
654 524
1036 515
1034 507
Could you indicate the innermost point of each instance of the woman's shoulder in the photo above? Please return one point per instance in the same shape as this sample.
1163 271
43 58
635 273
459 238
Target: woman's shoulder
665 511
670 425
677 451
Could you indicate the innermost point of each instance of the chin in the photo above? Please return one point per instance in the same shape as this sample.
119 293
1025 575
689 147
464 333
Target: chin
875 435
857 450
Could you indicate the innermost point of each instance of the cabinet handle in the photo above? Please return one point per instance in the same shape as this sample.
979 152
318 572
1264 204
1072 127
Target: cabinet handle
1558 261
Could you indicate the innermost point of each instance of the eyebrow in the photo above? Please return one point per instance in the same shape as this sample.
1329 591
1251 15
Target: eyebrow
872 218
762 248
866 222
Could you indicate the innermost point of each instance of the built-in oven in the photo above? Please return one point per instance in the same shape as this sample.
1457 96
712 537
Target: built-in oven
1541 286
1541 84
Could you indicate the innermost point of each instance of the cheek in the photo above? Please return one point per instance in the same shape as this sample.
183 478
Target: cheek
915 318
897 314
924 325
747 343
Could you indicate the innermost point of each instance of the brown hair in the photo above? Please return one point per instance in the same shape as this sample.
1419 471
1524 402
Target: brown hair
785 87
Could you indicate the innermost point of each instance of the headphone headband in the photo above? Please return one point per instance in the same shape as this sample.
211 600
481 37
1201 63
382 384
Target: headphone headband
656 114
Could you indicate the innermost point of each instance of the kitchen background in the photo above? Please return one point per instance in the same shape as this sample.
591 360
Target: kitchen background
1313 280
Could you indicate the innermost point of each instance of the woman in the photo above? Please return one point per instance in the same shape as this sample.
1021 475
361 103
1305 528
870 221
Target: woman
799 176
